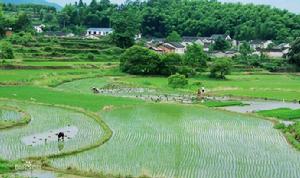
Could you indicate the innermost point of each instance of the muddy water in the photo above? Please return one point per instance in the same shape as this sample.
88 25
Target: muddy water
259 105
50 136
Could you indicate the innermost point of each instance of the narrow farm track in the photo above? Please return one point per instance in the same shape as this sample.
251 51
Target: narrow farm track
92 131
164 140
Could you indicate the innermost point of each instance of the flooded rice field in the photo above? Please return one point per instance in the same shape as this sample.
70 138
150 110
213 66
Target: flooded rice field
50 136
259 105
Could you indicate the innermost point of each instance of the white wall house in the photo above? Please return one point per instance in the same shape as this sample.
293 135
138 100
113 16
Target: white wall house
98 31
39 28
254 44
175 47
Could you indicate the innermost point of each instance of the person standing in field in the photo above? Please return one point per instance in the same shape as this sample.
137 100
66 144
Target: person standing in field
201 93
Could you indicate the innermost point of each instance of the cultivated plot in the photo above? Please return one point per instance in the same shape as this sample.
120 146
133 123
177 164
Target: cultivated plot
39 138
9 115
187 141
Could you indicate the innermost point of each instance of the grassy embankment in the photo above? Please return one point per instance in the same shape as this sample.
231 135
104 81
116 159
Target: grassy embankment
282 113
270 86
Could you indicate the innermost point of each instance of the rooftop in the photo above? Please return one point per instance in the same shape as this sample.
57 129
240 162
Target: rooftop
100 29
177 45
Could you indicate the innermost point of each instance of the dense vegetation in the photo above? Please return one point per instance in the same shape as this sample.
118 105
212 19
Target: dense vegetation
190 18
294 54
143 61
282 113
23 17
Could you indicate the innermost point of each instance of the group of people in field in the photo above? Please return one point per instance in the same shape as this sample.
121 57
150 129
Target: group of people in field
159 98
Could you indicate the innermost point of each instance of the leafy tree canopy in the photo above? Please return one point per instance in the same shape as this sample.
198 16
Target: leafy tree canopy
221 44
220 68
294 54
173 37
195 56
139 60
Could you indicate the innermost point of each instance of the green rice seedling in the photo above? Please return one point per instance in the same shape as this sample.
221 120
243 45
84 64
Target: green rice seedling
48 120
162 140
12 116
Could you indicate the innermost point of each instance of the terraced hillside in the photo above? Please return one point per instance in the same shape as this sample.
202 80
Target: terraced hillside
64 49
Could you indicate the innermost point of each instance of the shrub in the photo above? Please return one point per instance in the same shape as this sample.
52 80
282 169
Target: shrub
22 38
177 81
6 51
220 68
173 37
90 57
170 64
195 57
279 126
48 48
186 71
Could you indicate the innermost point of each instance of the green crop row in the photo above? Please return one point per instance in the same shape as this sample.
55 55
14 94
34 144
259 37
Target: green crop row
282 113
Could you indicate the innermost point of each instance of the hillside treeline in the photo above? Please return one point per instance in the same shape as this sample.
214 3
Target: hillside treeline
189 18
158 18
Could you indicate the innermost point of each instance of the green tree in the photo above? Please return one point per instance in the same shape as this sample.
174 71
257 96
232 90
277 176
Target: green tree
90 56
92 20
170 63
173 37
220 68
6 51
245 49
23 23
195 57
294 53
177 81
63 19
139 60
126 26
221 44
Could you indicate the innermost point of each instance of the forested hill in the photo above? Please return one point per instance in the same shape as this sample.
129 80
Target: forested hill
40 2
190 18
203 18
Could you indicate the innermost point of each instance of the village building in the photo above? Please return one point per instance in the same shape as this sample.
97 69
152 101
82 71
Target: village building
259 44
39 28
173 47
99 31
220 54
138 36
157 49
274 53
8 31
220 36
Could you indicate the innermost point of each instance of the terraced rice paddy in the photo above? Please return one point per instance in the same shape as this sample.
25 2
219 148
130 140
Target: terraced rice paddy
45 119
187 141
9 115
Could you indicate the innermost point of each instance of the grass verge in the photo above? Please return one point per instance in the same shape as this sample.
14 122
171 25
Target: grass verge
222 103
281 113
